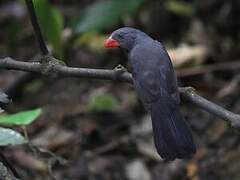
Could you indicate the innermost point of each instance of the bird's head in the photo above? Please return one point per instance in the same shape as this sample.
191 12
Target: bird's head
125 38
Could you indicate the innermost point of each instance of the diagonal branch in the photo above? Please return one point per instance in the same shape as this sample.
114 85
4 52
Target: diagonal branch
117 75
4 166
36 27
5 174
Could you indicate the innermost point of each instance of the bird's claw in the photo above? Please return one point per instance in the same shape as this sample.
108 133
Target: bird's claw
120 69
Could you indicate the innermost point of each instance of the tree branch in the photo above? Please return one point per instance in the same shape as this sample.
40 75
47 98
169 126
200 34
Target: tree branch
36 27
4 166
116 75
5 174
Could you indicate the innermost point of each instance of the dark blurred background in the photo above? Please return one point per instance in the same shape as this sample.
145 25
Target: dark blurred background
100 127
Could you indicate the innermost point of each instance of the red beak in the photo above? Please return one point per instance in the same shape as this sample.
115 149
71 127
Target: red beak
110 43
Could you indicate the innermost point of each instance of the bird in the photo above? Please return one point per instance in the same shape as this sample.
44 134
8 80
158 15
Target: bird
155 82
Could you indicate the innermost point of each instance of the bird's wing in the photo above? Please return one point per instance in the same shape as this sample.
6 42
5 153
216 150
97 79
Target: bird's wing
170 75
154 76
151 87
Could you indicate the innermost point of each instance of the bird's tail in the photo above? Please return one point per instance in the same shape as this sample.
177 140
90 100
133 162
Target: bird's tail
172 136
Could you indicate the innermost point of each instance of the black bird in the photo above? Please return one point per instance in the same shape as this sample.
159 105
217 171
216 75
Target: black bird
156 84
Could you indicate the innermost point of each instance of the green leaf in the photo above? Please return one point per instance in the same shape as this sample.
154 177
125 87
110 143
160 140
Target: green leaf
21 118
51 22
105 14
10 137
180 8
102 103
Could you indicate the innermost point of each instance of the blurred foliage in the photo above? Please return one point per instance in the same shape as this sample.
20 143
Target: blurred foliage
92 39
51 22
10 137
104 14
21 118
104 102
181 8
13 31
34 86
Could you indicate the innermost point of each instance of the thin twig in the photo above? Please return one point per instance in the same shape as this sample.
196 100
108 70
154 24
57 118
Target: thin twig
36 27
5 174
7 164
64 71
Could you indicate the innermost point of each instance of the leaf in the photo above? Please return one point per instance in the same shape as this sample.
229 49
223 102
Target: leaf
180 8
51 22
21 118
10 137
105 14
102 103
4 98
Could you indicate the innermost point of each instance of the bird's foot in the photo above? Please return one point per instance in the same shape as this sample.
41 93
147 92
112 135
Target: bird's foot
120 69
